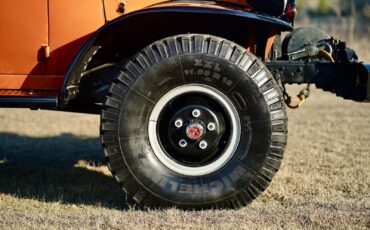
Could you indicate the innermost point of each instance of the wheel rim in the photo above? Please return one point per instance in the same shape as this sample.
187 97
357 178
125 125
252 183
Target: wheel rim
197 136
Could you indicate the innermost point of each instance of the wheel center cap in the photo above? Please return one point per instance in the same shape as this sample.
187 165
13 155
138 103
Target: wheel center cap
195 130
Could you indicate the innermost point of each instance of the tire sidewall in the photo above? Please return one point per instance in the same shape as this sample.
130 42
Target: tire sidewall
204 69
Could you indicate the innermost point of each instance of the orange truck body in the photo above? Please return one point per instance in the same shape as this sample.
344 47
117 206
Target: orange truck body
40 38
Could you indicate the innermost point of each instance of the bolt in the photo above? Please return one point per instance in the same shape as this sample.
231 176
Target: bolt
121 8
183 143
203 145
178 123
196 113
211 126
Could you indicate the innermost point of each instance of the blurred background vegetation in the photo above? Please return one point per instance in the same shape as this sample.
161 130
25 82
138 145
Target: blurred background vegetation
340 8
347 20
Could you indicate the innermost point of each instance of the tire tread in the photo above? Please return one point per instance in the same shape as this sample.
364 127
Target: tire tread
210 45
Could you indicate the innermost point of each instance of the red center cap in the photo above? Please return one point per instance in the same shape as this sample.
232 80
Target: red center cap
194 131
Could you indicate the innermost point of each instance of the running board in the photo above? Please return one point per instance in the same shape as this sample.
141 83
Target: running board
29 102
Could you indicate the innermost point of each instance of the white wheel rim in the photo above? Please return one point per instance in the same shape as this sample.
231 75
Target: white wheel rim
230 149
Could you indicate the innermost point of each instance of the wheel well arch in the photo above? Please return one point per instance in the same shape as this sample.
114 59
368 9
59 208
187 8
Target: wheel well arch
123 37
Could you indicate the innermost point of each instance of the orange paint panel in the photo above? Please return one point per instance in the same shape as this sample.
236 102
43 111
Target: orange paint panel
71 23
230 7
111 6
269 44
24 30
24 82
28 93
134 5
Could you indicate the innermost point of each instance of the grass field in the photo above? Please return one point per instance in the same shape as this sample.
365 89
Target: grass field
52 175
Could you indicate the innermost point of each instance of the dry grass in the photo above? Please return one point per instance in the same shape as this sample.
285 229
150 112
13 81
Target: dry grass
52 176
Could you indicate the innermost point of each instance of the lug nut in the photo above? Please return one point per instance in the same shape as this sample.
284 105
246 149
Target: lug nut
183 143
196 113
203 145
178 123
211 126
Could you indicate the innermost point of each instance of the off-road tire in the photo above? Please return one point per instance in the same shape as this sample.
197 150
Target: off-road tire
212 63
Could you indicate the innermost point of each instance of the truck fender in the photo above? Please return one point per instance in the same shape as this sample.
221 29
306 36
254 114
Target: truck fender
140 28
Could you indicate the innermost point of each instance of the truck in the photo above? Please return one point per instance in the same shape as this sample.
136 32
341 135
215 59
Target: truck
191 93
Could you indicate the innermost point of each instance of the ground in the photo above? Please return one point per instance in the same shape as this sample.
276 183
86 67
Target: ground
52 175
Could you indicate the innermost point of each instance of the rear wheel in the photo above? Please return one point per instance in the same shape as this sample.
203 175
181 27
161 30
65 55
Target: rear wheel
194 121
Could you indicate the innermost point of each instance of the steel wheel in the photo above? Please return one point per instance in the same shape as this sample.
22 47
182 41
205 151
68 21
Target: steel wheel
208 136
